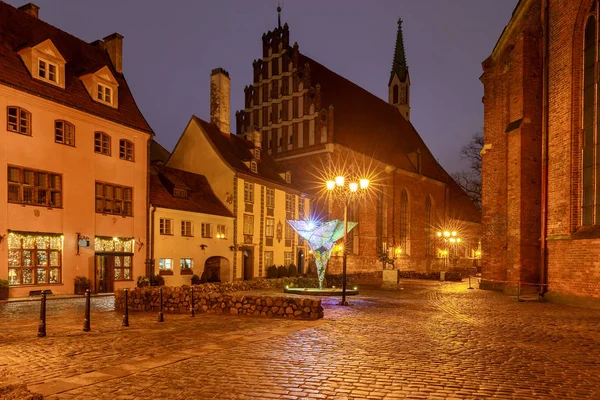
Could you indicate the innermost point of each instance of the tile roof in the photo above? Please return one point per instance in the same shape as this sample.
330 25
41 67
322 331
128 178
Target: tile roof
200 199
369 125
20 30
235 150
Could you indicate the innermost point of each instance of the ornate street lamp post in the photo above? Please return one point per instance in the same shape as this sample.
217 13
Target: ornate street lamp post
449 238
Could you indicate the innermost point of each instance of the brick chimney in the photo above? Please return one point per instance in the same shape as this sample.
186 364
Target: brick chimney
30 9
219 99
114 47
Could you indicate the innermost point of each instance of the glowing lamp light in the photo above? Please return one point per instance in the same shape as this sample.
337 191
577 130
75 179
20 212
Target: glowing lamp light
447 234
398 250
116 239
353 186
330 185
478 253
458 240
311 226
339 181
452 240
355 288
364 183
453 233
439 234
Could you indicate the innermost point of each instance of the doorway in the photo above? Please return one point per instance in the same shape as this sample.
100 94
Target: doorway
300 262
248 263
103 272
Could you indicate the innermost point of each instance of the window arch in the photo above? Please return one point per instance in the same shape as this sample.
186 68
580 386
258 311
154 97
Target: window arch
428 225
590 165
395 94
404 222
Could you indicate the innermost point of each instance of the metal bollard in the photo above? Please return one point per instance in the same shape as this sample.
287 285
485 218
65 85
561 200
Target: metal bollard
126 315
192 312
161 317
86 321
519 292
470 287
42 325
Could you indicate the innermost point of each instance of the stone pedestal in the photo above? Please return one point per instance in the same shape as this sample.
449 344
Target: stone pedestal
390 278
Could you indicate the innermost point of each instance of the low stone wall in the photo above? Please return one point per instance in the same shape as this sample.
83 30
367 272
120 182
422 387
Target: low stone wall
178 300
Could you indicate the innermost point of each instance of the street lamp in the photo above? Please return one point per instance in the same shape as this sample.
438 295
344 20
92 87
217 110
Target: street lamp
448 237
338 190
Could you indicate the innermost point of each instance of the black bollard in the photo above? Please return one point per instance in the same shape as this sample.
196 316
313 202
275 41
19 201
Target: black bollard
86 321
42 326
161 317
126 315
192 312
470 287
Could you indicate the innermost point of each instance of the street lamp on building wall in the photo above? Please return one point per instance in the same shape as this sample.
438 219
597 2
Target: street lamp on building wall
346 189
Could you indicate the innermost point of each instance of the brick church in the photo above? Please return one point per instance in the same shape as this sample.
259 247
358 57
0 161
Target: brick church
541 158
312 119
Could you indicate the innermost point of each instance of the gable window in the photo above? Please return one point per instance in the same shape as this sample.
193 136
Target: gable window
19 121
253 166
206 230
112 199
249 192
270 198
186 228
102 143
64 132
47 70
166 226
27 186
221 232
125 150
404 223
104 94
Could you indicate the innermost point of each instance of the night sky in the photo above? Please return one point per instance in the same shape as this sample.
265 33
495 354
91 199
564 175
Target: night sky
171 47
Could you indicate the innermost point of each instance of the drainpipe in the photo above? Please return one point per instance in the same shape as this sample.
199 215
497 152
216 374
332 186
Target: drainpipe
150 268
544 230
394 208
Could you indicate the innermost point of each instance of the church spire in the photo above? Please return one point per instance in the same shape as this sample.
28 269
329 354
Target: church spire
399 66
279 15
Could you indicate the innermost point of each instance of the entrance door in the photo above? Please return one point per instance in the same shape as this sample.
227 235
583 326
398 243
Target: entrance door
104 273
248 261
300 262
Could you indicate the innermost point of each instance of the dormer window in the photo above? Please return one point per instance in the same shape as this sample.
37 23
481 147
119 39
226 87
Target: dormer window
104 94
181 193
288 177
47 71
102 87
257 154
253 166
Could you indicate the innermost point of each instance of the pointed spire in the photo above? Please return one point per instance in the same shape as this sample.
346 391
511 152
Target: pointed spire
399 66
279 15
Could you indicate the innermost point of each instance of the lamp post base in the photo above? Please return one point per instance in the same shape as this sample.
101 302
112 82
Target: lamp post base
343 303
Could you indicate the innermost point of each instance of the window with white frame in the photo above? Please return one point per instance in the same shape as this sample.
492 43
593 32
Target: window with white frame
186 264
165 264
248 224
269 227
257 153
301 208
287 258
166 226
289 232
47 71
104 94
206 230
289 205
268 259
19 121
221 232
288 177
248 192
253 167
270 198
64 132
186 228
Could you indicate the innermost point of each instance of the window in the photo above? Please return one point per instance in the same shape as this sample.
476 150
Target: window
104 94
182 193
289 235
270 198
287 258
125 150
28 186
102 143
166 226
64 133
19 121
221 232
301 209
404 223
123 267
253 166
257 154
186 264
47 71
34 259
395 94
269 259
428 222
248 192
291 139
288 177
186 228
269 227
590 211
112 199
289 206
248 224
165 264
206 230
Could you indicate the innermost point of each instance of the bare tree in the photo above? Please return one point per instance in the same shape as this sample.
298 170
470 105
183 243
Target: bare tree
470 180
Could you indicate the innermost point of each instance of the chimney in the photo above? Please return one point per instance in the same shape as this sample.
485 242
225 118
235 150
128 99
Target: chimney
219 99
30 9
113 44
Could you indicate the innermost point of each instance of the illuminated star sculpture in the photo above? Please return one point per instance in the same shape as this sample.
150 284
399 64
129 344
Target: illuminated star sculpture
321 238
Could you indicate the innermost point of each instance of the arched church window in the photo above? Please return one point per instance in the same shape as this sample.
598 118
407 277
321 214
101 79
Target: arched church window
590 209
404 221
428 226
395 94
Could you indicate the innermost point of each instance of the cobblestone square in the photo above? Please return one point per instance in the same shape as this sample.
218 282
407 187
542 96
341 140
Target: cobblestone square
431 340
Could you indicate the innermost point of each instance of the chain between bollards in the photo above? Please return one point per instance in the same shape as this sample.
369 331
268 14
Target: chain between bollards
161 317
126 315
192 312
42 325
86 321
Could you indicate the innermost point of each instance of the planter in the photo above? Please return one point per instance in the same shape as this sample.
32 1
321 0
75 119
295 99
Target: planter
80 288
4 293
187 271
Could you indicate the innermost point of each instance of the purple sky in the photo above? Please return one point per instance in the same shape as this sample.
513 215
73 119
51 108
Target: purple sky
171 47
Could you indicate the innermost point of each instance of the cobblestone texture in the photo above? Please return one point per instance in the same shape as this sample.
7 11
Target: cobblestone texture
432 340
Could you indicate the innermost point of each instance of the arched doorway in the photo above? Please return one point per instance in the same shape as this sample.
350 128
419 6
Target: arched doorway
216 269
248 263
300 262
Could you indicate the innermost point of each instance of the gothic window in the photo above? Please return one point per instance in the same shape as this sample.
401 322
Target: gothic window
395 94
402 97
590 164
428 225
404 222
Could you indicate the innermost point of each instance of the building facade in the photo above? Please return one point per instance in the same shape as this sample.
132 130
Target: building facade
252 186
73 160
313 120
540 161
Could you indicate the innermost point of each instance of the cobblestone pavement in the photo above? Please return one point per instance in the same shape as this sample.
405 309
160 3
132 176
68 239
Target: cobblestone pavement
432 340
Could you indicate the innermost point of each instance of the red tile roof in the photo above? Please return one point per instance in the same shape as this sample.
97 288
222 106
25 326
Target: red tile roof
200 199
19 30
365 123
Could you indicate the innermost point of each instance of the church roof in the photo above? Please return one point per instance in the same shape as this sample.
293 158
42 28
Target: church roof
399 65
20 30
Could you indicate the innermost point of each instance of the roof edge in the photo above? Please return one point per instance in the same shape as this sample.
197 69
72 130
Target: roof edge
518 12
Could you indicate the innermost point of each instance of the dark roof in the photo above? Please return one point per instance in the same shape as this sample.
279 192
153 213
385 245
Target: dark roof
235 150
200 199
158 153
20 30
399 66
367 124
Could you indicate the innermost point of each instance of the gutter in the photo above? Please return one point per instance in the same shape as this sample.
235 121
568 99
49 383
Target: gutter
545 122
150 269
